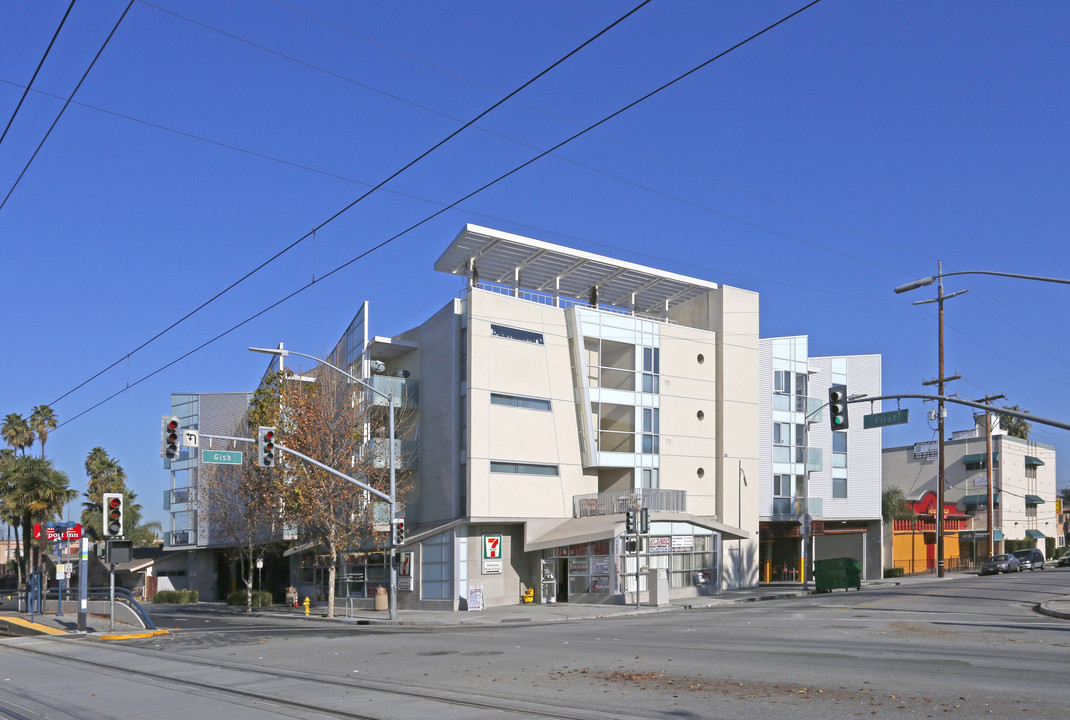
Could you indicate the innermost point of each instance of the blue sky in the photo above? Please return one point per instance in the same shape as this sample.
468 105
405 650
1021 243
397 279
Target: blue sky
823 164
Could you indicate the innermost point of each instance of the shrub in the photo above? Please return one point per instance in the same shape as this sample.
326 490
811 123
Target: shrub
176 597
893 572
261 598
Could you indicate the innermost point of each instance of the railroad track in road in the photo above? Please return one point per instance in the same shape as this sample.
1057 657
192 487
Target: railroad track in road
287 693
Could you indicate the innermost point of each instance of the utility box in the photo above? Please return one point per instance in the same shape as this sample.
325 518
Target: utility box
835 573
657 585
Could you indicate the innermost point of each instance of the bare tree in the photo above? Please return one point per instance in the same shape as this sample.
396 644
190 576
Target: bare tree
327 421
243 503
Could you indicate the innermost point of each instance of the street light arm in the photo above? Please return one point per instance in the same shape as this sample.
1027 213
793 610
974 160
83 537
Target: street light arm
922 282
283 353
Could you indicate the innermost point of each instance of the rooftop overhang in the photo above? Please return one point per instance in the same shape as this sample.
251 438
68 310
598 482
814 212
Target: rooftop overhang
385 348
544 534
542 267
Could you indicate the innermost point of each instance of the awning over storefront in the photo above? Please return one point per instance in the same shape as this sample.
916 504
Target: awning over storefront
979 535
540 535
1034 500
1030 460
979 458
1035 534
975 500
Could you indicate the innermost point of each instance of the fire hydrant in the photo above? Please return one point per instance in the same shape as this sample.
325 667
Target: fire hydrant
308 604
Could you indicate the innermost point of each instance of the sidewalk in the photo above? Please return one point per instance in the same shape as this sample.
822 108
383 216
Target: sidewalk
19 623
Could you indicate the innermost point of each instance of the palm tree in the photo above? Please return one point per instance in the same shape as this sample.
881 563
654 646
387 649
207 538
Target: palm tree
17 432
43 420
39 493
8 514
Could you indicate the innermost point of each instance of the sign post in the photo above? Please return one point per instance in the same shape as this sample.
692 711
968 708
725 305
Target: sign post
883 419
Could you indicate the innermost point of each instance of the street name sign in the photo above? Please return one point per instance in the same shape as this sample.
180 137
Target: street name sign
892 417
221 457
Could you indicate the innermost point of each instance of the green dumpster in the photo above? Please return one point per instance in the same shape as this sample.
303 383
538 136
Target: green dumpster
835 573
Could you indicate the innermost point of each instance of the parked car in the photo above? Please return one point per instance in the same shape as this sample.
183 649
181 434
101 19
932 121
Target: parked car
1030 559
1001 564
1064 560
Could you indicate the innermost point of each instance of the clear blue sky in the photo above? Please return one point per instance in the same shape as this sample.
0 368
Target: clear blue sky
828 161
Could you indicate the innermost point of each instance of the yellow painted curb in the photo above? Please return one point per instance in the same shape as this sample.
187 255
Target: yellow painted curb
133 636
36 627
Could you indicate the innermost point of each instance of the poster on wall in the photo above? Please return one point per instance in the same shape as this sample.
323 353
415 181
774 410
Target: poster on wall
601 565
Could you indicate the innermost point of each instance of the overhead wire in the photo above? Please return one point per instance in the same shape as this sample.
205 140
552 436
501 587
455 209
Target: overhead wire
66 104
427 219
37 70
372 189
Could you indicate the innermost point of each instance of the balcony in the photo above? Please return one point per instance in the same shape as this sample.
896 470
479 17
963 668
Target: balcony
177 496
619 501
798 506
408 452
405 391
180 538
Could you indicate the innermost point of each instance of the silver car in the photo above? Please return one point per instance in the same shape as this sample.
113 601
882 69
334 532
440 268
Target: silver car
1001 564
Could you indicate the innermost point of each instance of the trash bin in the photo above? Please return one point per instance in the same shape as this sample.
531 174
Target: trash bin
835 573
381 599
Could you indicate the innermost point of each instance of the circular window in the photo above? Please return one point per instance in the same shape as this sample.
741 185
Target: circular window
701 415
701 472
701 358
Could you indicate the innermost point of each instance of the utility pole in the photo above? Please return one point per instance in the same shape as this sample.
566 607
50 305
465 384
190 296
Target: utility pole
940 380
987 400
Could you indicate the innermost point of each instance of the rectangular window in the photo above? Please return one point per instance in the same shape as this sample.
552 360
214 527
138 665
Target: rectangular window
801 383
522 468
781 433
436 564
1031 472
781 485
839 487
505 331
651 370
650 479
839 442
650 431
519 401
782 381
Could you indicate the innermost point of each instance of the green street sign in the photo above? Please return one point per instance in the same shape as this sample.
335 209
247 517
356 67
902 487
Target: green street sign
221 457
892 417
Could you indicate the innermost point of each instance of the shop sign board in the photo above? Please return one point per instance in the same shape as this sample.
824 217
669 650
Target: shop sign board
492 547
659 545
492 567
682 543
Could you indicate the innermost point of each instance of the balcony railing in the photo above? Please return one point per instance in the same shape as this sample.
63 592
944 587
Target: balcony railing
180 538
619 501
404 390
798 506
408 453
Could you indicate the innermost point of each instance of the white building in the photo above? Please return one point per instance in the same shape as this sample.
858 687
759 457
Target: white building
807 468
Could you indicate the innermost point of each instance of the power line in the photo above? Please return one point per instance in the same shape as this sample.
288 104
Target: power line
34 77
427 219
371 190
66 104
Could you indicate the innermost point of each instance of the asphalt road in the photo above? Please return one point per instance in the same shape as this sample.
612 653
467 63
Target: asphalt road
969 648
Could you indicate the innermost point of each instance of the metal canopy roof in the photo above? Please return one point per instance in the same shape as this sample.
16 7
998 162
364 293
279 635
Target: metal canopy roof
528 264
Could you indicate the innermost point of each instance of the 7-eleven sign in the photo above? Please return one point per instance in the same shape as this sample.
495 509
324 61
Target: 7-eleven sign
492 547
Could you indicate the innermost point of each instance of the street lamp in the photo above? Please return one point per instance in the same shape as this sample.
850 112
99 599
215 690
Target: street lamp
392 500
939 299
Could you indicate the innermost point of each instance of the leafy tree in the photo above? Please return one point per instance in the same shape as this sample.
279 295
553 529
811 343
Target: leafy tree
17 432
43 420
243 502
894 504
1015 426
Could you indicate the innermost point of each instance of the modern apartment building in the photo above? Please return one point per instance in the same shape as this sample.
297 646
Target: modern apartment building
1023 489
811 477
557 391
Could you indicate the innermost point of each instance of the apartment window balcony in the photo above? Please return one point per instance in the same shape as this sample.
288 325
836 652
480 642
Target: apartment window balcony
408 452
178 496
619 501
405 391
798 506
813 459
180 538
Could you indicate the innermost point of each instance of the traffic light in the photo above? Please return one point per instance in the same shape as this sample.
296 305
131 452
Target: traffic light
838 407
113 515
629 522
265 446
399 535
169 437
644 521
